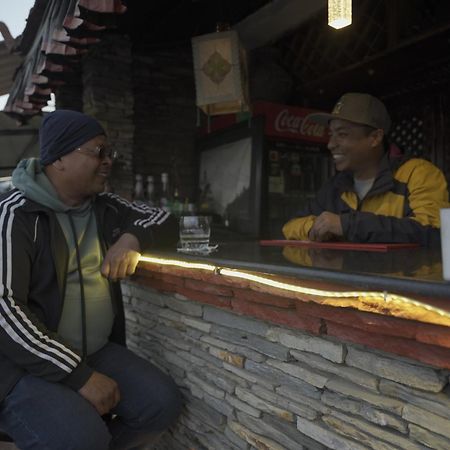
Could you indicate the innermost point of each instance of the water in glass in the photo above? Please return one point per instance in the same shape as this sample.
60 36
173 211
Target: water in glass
194 232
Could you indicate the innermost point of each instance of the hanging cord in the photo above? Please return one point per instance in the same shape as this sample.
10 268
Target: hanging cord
83 299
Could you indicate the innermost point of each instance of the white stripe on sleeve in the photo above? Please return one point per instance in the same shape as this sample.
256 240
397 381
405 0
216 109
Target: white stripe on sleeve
24 332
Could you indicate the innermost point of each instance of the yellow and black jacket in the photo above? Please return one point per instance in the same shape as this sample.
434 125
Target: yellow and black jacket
402 205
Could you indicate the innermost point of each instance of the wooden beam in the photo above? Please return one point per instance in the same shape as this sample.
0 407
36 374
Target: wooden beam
392 23
390 55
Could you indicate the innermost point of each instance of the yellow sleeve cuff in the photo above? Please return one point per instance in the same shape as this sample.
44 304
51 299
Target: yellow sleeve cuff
298 228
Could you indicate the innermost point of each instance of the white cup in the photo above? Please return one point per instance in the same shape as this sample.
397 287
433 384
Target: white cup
445 242
194 233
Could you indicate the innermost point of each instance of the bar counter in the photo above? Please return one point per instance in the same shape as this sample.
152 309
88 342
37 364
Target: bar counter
290 348
415 270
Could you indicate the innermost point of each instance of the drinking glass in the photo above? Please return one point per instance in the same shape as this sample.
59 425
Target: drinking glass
194 233
445 242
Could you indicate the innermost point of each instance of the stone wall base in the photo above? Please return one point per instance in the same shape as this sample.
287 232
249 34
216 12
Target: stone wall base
252 384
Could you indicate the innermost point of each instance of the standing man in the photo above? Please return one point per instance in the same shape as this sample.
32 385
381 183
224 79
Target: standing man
373 197
64 245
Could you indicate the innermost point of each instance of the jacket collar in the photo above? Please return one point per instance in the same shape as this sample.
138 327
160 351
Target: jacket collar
384 180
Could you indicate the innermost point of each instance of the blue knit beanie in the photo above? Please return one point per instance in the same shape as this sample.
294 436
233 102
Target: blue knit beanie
62 131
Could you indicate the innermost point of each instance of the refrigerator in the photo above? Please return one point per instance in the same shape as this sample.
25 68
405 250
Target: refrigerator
255 173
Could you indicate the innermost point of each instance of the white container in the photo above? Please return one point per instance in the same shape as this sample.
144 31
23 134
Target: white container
445 242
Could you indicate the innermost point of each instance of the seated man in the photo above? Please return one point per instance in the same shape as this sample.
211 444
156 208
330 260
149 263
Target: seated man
65 244
374 197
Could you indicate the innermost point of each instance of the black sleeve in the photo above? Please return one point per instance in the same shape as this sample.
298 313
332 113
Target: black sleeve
361 226
153 227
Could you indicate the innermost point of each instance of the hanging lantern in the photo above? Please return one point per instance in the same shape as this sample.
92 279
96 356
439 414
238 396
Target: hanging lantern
339 13
220 73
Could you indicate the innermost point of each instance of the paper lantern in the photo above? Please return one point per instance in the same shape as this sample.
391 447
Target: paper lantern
220 73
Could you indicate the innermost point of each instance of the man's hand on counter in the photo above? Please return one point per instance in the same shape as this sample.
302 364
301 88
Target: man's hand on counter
122 258
326 227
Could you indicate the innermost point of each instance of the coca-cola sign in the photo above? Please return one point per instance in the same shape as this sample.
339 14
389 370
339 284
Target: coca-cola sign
285 121
291 122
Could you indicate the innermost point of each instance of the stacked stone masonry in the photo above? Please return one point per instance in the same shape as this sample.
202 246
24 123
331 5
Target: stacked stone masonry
165 116
108 96
255 381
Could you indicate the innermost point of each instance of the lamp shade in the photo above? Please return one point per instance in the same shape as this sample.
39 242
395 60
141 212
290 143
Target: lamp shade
220 73
339 13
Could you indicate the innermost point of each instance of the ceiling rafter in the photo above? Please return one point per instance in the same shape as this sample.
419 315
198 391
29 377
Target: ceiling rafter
320 59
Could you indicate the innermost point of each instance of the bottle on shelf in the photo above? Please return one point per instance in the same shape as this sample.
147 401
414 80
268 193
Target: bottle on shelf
295 174
164 201
150 190
174 188
206 199
276 173
138 194
189 208
226 219
177 205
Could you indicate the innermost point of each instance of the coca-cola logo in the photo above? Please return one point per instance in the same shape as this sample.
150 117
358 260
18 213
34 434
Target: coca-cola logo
287 122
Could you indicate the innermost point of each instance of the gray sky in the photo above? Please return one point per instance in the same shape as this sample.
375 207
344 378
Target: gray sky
14 13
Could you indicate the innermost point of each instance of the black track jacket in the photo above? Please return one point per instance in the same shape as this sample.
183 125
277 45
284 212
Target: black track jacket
33 259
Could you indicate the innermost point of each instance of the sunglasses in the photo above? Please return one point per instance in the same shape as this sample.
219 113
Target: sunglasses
100 152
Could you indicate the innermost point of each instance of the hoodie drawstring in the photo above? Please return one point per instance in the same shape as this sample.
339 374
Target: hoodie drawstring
83 299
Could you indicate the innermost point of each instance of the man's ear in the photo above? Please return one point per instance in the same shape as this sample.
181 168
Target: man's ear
377 137
58 164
